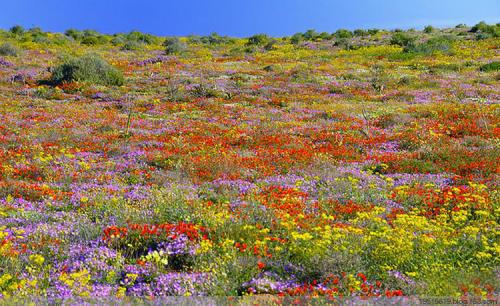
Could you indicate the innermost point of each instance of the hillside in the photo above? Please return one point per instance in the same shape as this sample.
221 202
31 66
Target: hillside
347 164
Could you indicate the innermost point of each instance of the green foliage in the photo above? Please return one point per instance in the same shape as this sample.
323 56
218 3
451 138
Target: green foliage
344 43
118 39
143 38
311 35
402 39
493 66
436 44
90 40
173 45
429 29
131 45
360 32
17 30
212 39
482 27
271 45
88 68
297 38
8 49
258 40
343 33
73 33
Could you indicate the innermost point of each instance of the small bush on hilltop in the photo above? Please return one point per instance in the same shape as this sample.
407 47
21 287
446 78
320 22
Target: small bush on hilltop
487 30
17 30
429 29
343 33
131 45
258 39
402 39
88 68
296 38
173 45
436 44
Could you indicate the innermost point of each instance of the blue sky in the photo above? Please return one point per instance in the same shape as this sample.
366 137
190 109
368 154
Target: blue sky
242 18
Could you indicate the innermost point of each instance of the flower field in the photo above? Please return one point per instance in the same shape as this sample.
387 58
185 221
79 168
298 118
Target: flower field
241 168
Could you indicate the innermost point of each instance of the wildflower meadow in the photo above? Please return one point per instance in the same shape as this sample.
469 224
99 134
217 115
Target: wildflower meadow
348 165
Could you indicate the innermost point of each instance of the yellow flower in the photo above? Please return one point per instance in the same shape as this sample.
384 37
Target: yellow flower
37 259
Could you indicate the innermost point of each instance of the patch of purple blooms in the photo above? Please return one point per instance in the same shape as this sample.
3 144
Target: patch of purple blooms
5 63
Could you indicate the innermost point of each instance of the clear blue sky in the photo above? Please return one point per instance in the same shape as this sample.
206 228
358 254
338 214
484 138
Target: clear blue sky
242 18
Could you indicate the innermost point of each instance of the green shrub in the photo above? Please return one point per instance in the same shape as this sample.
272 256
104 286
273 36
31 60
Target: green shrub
17 30
486 30
324 35
212 39
493 66
436 44
343 33
402 39
271 45
429 29
8 49
75 34
88 68
131 45
311 35
118 39
360 33
258 40
173 45
90 40
297 38
141 37
344 43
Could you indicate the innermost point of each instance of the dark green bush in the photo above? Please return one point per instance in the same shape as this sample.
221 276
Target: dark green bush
132 45
17 30
402 39
118 39
436 44
493 66
40 39
311 35
344 43
343 33
429 29
297 38
324 35
141 37
8 49
73 33
258 40
173 45
212 39
90 40
486 30
271 45
360 33
88 68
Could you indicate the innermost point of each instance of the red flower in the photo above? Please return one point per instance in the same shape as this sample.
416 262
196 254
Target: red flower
362 276
261 265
